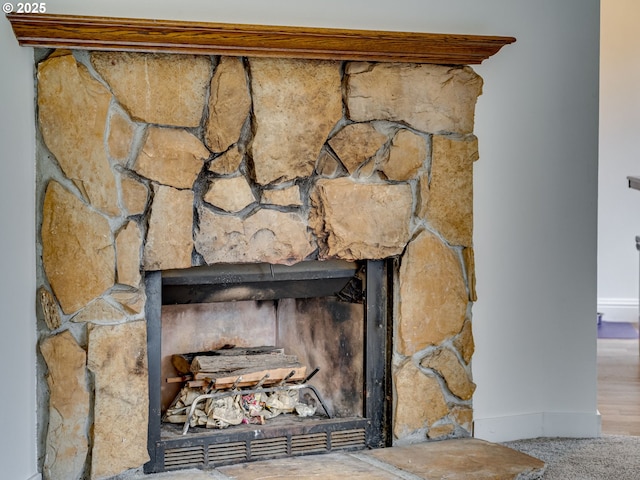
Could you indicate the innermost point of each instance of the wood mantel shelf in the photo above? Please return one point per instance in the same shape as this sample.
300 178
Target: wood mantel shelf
144 35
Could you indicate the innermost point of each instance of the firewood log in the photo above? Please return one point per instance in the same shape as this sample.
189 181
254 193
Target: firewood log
249 379
231 363
182 361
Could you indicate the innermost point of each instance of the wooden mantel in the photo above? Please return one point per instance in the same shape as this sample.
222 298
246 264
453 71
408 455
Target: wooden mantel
144 35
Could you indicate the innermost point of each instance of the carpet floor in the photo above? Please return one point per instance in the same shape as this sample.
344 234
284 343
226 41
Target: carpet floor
610 457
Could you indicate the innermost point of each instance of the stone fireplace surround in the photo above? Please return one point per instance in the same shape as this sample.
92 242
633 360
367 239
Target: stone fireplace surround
156 161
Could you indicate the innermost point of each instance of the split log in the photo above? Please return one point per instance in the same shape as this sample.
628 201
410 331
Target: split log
175 418
182 361
249 379
219 364
181 379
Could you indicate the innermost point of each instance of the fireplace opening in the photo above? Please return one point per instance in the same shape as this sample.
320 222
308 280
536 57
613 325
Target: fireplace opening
329 315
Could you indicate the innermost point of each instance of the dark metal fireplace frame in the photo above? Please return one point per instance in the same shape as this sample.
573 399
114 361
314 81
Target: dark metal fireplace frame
220 283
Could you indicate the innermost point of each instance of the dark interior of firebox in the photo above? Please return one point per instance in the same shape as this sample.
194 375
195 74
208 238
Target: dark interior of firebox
330 315
321 332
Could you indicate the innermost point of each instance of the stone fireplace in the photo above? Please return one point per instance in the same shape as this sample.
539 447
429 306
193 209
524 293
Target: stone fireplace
151 162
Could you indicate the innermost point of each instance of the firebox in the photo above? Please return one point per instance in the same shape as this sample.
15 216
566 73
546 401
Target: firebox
333 314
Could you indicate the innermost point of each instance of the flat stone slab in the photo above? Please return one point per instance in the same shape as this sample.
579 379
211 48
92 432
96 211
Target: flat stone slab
188 474
333 466
458 459
461 459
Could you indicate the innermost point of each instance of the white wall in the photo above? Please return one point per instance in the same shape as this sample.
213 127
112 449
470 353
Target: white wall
17 259
618 206
535 192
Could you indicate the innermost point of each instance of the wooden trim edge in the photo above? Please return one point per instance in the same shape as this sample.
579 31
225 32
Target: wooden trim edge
168 36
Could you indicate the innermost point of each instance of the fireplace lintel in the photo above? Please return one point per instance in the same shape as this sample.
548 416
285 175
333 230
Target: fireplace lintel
225 282
146 35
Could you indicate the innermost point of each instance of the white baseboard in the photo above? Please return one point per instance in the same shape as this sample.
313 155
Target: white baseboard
618 309
534 425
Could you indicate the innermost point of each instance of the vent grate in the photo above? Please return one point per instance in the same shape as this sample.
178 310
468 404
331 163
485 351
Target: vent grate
184 457
311 443
227 452
215 450
269 447
348 439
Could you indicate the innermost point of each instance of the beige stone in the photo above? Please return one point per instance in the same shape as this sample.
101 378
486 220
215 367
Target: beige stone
134 195
99 312
67 442
360 221
128 245
356 143
430 98
285 197
450 207
463 342
229 104
49 306
118 360
407 154
460 459
157 88
419 400
72 114
265 236
77 249
169 239
230 194
367 170
228 162
331 466
423 194
120 137
446 363
463 416
327 165
296 104
437 432
132 301
171 156
468 258
433 296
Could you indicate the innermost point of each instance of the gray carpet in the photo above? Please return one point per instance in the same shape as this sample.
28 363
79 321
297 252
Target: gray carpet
610 457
